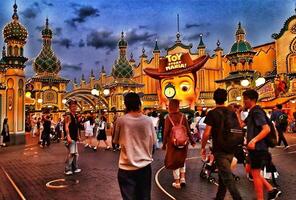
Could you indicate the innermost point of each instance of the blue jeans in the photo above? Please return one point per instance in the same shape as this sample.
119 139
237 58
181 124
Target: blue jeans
226 180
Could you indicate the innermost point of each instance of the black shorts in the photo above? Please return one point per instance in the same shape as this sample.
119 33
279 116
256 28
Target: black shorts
259 159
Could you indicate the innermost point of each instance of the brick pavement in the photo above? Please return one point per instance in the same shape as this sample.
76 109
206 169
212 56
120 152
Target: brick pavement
31 168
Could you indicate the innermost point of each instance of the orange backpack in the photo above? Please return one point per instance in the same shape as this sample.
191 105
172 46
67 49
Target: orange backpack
179 136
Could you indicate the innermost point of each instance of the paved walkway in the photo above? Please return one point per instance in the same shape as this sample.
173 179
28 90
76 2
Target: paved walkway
31 168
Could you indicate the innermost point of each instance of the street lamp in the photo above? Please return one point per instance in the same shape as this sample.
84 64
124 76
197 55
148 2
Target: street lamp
106 92
245 83
28 94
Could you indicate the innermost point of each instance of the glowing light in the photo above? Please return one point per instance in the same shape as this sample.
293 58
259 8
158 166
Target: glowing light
39 100
238 98
245 83
106 92
28 94
64 101
260 81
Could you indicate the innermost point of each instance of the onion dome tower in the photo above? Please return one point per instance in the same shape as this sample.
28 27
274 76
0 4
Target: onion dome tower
46 63
15 36
13 64
241 51
121 67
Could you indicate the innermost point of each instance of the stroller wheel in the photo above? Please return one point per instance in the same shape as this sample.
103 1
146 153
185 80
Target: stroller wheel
202 174
212 180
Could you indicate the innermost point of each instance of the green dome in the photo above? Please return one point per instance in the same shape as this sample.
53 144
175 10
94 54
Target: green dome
15 30
47 62
240 47
122 69
122 42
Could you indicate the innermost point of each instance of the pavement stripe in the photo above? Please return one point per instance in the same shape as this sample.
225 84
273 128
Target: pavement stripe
159 185
14 185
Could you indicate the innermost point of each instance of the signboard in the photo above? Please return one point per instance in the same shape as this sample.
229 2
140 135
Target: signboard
266 92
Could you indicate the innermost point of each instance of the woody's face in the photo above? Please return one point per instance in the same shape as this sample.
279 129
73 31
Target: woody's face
180 87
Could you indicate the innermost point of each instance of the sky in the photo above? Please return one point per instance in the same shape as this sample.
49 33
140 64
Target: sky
86 32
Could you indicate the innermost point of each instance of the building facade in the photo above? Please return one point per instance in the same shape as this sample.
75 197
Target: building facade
269 68
47 87
12 78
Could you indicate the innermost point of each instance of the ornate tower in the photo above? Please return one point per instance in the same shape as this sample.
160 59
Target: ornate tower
201 49
49 87
241 53
15 36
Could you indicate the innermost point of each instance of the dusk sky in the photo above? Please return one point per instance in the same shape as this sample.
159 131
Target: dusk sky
86 32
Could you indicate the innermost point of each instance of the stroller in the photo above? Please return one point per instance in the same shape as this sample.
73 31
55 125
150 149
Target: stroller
209 165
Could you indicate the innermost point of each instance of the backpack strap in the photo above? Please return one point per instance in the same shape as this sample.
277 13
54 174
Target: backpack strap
171 120
181 119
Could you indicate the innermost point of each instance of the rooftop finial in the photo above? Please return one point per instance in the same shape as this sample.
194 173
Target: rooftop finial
295 7
46 22
218 43
15 15
178 30
122 34
156 49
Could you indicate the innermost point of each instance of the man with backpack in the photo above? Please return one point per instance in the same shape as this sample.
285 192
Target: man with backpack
281 123
259 130
219 123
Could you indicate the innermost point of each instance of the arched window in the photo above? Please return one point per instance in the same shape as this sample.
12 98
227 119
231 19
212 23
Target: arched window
15 53
10 51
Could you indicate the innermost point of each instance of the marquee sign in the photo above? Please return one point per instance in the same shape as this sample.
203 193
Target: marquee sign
175 62
267 92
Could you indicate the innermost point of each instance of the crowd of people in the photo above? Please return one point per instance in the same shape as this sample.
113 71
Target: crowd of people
137 133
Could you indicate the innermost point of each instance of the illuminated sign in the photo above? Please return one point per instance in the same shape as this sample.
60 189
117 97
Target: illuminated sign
266 92
175 62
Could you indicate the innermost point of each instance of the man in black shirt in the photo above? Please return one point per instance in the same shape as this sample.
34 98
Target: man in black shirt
72 135
223 159
257 130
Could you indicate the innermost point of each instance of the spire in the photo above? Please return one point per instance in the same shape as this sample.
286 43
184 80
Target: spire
103 70
178 31
75 81
82 77
92 73
218 48
46 23
143 53
3 52
46 32
15 15
201 44
240 30
156 49
295 7
132 58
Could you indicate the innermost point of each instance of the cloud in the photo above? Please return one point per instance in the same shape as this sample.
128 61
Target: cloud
196 36
143 27
32 11
58 31
71 67
65 42
82 13
47 3
101 39
81 43
195 25
134 37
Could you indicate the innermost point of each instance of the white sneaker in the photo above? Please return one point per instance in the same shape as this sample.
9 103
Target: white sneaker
77 170
68 172
287 147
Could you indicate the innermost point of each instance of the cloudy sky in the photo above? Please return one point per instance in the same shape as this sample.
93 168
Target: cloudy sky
86 32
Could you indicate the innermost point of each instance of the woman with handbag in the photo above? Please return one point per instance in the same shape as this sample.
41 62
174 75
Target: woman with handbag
175 157
5 132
